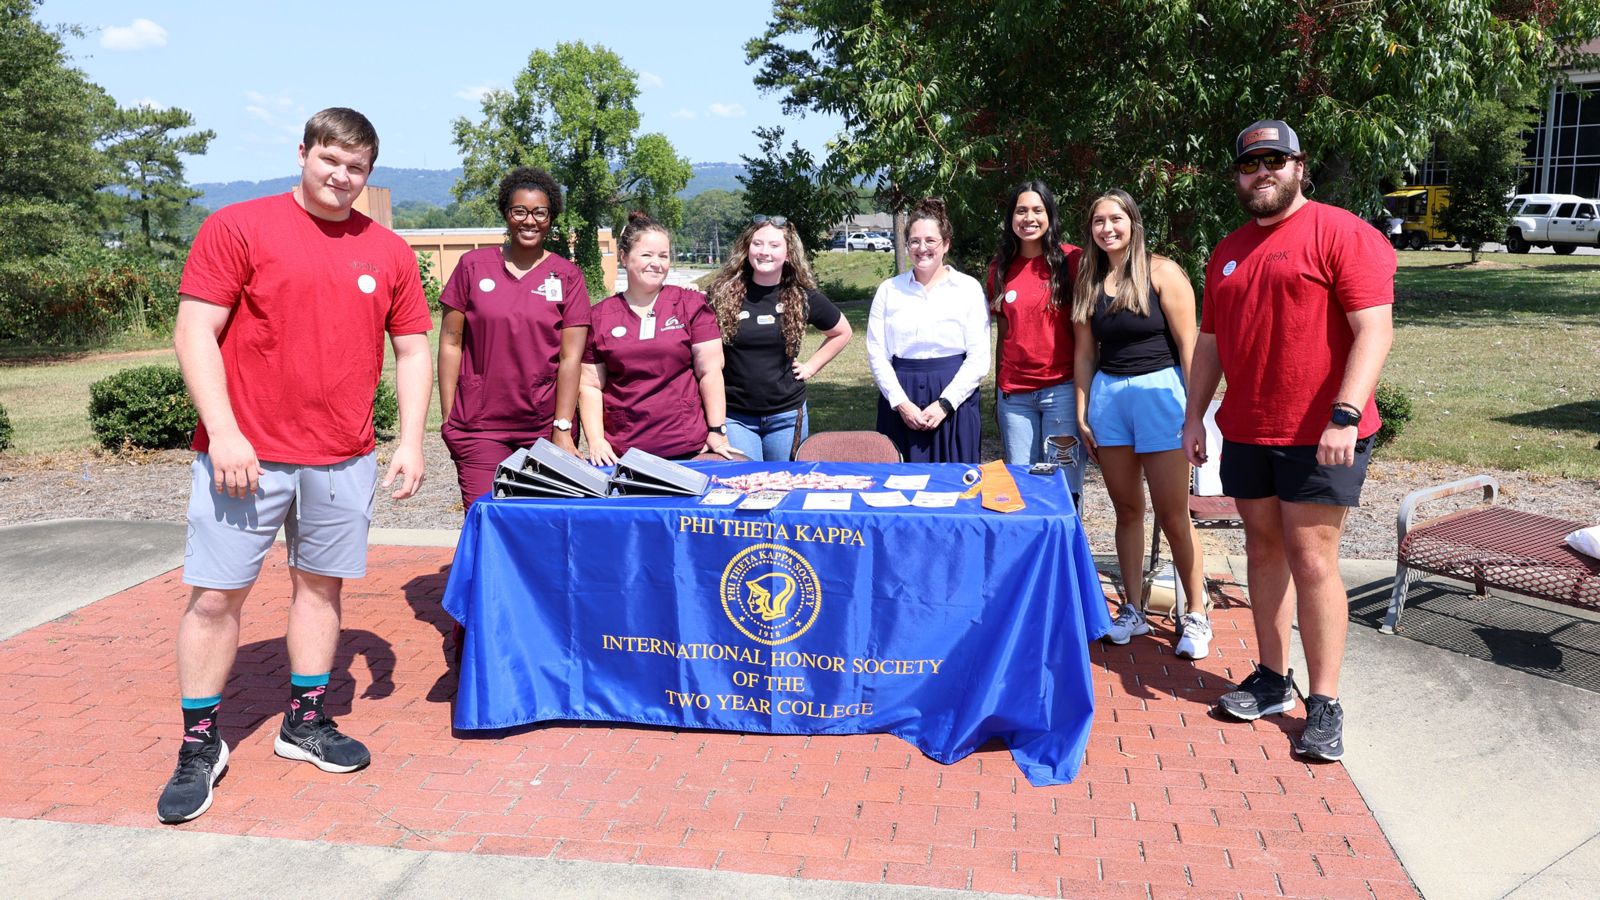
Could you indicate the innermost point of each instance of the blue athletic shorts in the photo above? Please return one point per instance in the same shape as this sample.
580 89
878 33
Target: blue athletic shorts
1144 412
325 513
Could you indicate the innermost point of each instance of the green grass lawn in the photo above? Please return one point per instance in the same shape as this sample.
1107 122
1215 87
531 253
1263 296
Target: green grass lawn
1501 363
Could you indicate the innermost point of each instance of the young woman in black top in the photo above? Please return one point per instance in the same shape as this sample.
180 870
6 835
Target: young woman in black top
1133 314
763 297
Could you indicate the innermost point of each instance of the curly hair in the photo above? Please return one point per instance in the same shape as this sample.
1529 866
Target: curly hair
1009 246
727 289
527 178
932 209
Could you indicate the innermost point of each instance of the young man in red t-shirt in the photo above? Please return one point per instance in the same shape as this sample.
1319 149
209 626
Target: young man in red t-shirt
284 304
1297 317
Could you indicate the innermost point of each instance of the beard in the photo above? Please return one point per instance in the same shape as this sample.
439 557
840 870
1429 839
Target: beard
1265 206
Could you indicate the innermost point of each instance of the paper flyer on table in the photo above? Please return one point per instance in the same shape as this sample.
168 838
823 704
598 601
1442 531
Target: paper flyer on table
827 500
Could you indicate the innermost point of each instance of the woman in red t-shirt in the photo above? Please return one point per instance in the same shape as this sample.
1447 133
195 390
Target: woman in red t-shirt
1030 297
652 372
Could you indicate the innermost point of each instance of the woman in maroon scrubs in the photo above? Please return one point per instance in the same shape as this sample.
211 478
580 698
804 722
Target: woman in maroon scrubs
652 371
515 320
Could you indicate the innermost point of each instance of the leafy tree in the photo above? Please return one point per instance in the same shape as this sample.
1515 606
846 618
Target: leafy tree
422 214
1484 150
149 194
711 218
789 183
965 99
572 112
651 180
50 117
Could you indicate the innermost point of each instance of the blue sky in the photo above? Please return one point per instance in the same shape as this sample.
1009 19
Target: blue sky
253 71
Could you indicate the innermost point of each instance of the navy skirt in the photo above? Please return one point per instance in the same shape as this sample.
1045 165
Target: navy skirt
957 438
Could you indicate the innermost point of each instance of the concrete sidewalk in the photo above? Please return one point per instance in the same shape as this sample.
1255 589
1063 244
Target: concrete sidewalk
1485 780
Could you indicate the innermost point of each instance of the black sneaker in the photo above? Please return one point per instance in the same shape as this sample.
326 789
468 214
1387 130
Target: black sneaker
1324 734
1263 693
188 791
319 742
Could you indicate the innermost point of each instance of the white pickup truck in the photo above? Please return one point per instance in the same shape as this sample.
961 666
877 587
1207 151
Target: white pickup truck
1562 222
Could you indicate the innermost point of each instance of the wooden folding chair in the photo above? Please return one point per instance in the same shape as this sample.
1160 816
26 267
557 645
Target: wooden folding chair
1208 507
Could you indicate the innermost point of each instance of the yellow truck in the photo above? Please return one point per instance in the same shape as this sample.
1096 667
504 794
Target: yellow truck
1411 217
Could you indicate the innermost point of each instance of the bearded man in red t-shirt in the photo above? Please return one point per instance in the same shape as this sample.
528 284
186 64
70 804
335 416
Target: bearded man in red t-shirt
1297 318
284 305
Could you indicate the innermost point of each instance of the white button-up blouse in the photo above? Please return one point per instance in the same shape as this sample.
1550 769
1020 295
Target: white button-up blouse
915 322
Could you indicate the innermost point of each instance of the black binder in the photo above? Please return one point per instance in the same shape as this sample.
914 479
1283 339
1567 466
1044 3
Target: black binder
641 474
545 470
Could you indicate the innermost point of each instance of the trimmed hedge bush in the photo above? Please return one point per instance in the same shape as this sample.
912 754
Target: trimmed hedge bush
1394 408
385 410
144 407
5 428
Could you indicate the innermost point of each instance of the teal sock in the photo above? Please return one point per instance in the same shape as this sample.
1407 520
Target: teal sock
305 696
200 719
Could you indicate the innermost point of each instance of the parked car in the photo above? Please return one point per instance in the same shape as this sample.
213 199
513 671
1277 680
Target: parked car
837 243
1412 216
867 240
1562 222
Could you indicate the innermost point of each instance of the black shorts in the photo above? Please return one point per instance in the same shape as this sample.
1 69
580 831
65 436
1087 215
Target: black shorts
1258 471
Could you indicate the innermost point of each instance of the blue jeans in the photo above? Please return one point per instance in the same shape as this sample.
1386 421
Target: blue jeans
767 438
1028 418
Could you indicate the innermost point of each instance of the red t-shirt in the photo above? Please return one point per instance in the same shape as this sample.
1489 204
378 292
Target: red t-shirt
1036 352
1276 299
512 342
652 399
311 301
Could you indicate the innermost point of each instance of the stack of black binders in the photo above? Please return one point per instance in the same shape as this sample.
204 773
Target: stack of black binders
545 470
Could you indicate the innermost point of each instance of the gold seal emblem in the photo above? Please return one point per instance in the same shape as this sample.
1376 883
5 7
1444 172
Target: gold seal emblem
771 593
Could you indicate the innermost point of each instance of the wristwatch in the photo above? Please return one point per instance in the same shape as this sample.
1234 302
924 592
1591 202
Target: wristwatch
718 429
1345 415
949 409
562 424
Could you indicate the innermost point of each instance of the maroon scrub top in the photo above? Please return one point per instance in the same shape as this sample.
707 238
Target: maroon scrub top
512 342
652 399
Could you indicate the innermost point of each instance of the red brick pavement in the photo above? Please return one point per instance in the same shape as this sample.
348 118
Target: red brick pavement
1170 801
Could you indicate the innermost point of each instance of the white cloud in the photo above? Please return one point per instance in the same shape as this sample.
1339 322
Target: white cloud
683 112
142 34
650 80
149 103
727 110
475 92
279 112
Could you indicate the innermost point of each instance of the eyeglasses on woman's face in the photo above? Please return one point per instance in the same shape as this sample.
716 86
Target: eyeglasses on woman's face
539 214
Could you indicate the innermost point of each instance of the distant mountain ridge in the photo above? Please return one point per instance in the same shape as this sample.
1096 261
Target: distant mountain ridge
433 185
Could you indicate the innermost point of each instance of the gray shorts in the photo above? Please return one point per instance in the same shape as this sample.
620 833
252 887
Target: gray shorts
325 512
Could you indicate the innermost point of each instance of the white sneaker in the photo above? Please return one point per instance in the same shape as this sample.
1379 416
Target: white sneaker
1128 624
1196 640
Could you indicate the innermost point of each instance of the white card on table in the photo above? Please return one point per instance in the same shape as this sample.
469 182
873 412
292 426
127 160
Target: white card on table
762 500
828 500
906 482
721 497
884 499
935 499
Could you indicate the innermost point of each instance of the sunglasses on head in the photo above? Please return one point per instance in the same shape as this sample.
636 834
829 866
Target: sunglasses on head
1273 162
774 221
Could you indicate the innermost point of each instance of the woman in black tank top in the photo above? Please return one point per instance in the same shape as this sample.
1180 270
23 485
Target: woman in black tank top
1133 317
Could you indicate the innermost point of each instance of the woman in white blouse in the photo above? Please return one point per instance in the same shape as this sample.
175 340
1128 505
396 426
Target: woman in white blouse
928 347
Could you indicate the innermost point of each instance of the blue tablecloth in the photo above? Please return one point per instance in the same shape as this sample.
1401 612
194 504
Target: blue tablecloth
946 627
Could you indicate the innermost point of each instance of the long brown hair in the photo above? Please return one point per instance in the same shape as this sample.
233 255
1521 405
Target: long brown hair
1133 279
726 292
1009 245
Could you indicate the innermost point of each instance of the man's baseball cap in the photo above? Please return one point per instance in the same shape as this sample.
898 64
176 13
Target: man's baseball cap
1266 134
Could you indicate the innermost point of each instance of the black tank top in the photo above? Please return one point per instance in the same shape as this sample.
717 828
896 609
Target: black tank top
1131 344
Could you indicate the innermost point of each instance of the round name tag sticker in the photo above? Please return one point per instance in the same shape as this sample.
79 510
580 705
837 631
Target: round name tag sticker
1231 265
367 283
619 331
486 285
1011 296
777 307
